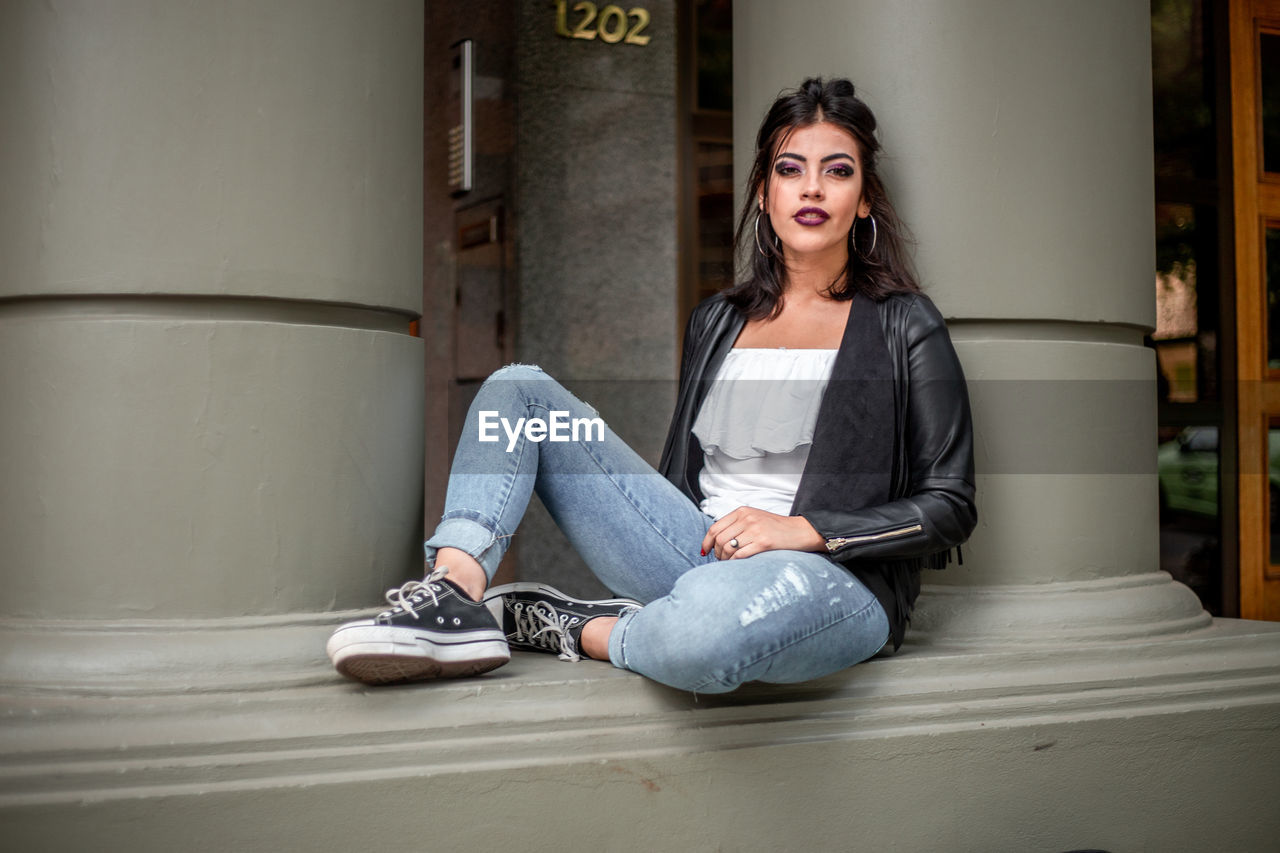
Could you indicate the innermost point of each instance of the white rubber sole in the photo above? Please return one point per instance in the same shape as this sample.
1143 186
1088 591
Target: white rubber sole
385 654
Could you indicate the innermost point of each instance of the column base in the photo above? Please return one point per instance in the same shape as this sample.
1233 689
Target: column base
1107 610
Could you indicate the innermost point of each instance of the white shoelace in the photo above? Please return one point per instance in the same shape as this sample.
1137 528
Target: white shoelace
404 597
542 625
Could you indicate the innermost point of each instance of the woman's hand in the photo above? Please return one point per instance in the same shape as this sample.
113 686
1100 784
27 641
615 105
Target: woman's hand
757 530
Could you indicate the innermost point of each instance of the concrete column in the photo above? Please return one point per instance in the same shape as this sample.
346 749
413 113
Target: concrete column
1019 150
210 402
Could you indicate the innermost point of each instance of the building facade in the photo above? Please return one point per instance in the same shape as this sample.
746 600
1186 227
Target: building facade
257 254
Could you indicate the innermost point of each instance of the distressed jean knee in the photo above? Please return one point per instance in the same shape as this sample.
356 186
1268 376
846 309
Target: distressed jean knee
518 378
777 617
518 371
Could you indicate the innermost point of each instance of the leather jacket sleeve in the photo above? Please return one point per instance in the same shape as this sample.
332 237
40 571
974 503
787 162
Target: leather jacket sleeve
936 511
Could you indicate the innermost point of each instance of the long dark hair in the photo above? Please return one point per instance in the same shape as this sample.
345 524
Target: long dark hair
876 272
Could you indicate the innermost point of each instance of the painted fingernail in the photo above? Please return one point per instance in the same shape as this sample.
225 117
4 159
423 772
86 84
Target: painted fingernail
704 553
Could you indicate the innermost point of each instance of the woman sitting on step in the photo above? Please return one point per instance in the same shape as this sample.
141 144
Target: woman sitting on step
820 455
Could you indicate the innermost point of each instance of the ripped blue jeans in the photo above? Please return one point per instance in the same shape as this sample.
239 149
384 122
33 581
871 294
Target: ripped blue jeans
707 625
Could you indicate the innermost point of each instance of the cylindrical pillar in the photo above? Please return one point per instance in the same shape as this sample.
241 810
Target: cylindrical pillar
210 257
1018 147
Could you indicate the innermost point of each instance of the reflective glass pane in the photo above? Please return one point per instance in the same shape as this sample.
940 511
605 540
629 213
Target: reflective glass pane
1186 337
1272 250
1269 67
1190 539
1273 492
1183 87
715 54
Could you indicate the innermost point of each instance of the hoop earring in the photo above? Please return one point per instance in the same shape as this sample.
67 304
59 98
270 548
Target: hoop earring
759 247
874 235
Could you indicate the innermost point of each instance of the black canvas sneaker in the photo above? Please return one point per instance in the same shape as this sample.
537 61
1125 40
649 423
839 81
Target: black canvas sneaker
433 630
541 618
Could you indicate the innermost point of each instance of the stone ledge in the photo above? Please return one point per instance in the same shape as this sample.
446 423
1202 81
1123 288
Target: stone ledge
148 657
61 749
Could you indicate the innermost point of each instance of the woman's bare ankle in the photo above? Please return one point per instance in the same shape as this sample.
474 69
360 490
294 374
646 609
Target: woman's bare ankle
594 641
464 571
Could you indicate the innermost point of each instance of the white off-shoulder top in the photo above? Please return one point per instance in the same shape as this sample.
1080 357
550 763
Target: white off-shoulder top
756 427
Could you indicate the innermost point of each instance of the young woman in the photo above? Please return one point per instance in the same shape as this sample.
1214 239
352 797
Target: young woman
820 456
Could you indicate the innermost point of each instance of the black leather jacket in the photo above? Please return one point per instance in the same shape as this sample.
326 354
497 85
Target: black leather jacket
931 506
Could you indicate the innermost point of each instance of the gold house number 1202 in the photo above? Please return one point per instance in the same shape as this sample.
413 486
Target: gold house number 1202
611 24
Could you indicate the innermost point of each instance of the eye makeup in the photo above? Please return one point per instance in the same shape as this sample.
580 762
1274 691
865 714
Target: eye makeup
784 165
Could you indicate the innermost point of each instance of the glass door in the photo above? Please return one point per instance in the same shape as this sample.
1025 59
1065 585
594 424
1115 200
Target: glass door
1255 103
1194 338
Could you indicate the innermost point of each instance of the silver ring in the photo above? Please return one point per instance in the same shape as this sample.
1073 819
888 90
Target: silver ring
733 543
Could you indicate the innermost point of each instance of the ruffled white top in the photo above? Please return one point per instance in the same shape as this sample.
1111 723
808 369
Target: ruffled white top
756 427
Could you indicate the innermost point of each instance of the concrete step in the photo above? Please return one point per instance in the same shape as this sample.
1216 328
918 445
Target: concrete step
1151 743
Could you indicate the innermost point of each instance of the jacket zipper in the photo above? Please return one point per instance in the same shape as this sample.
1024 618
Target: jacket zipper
837 544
